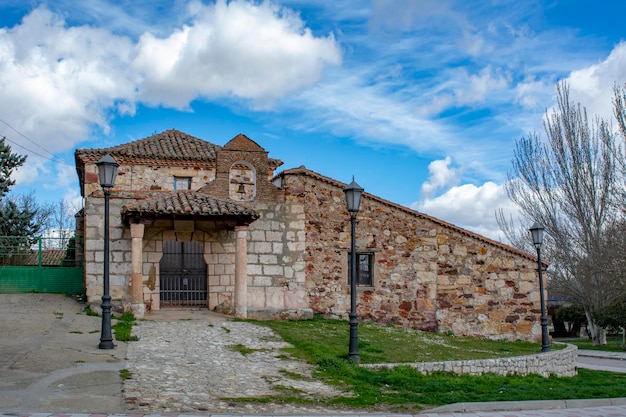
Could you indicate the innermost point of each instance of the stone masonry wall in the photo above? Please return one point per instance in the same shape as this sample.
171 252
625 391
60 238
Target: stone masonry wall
428 275
148 178
561 363
120 267
276 266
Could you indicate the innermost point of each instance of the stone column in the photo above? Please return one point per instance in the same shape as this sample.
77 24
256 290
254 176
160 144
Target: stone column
241 272
137 303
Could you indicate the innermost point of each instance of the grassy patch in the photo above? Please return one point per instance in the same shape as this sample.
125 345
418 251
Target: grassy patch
58 314
293 375
389 344
404 385
90 312
125 374
123 328
244 350
612 344
226 329
76 331
325 343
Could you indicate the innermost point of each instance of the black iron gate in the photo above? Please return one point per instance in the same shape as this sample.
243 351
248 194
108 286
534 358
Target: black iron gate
183 275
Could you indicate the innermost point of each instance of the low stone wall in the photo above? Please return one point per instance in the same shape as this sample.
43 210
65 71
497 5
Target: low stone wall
557 362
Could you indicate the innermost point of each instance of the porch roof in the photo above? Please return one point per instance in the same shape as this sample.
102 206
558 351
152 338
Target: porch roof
188 203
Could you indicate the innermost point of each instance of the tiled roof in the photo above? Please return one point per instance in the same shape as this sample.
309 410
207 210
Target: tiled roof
171 144
191 203
49 257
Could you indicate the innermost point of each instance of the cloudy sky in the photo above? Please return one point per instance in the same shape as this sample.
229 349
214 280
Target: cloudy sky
420 100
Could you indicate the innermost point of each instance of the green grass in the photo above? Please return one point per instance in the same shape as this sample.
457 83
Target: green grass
401 389
587 344
389 344
90 312
244 350
123 328
125 374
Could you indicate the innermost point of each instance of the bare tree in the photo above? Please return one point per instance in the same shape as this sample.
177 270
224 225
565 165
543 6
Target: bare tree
571 185
619 111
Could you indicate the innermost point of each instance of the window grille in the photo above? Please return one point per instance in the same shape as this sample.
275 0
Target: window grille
364 269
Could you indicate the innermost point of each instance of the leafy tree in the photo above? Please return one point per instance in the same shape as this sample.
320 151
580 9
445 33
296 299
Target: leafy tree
574 315
613 318
8 162
571 184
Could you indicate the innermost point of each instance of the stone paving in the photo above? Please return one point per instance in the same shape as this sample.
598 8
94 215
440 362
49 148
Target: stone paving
199 366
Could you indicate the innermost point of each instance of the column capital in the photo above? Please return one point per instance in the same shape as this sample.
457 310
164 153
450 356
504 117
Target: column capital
136 230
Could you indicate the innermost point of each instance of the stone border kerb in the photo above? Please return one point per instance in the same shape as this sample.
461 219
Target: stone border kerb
560 362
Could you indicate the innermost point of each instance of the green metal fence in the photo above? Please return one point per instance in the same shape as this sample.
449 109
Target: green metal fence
40 264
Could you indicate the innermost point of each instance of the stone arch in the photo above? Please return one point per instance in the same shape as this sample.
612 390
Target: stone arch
242 181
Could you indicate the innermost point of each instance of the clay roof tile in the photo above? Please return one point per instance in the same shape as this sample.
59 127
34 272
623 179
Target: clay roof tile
187 202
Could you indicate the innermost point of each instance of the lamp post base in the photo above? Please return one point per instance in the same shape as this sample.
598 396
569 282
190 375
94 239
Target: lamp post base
106 337
353 352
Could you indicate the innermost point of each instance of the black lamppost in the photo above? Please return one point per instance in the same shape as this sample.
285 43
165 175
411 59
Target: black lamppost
107 170
353 197
537 234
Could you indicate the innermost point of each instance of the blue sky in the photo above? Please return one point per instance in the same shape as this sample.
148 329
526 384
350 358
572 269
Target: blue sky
420 100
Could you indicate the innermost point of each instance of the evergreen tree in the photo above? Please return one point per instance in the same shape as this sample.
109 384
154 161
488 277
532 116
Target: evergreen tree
8 162
17 215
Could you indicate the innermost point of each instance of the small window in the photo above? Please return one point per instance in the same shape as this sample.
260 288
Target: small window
364 269
182 183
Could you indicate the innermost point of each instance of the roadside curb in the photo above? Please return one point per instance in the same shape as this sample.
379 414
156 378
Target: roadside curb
527 405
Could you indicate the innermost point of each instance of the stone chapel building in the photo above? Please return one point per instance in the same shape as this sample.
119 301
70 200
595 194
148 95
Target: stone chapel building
194 224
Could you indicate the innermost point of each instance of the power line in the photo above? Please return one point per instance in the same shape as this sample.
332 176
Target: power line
53 159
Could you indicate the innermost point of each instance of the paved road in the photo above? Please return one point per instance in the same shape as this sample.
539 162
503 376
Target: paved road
602 361
49 361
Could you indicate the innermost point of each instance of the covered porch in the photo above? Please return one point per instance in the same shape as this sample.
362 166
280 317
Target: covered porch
188 250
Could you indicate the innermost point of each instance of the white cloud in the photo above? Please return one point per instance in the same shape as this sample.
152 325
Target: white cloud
476 87
593 86
73 200
440 175
252 51
471 207
348 107
59 82
533 93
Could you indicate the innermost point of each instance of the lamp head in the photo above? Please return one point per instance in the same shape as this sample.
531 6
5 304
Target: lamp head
536 231
107 171
353 192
